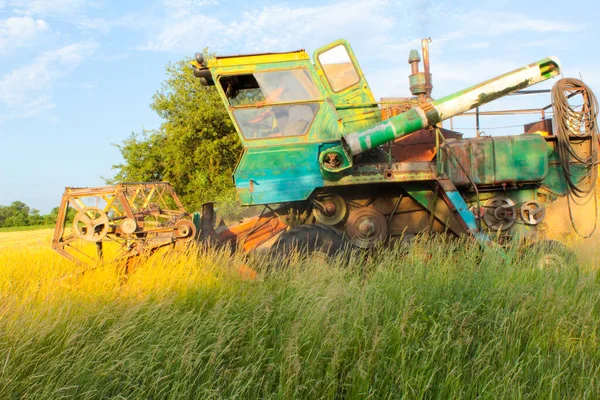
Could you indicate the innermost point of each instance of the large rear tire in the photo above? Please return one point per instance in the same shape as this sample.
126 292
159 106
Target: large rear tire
310 239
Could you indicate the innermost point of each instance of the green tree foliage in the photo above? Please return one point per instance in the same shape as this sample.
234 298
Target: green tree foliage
195 148
20 214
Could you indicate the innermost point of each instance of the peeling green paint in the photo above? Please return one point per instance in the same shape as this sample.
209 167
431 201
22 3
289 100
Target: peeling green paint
485 98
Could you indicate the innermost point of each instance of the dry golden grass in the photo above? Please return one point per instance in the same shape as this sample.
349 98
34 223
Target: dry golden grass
454 324
26 239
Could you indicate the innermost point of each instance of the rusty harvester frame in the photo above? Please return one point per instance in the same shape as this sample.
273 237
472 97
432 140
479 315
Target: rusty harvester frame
138 218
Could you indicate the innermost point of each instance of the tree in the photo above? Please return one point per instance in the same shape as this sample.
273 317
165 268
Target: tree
20 214
17 214
35 218
195 148
144 158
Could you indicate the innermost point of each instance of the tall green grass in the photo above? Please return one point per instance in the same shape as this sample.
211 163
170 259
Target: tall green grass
434 320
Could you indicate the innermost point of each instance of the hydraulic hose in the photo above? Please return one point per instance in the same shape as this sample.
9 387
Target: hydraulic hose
576 124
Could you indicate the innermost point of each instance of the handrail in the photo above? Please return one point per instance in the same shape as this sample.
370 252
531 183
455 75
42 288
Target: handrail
446 147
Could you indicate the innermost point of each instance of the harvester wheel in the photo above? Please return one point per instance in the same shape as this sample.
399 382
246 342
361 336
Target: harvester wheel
185 230
330 209
552 255
310 239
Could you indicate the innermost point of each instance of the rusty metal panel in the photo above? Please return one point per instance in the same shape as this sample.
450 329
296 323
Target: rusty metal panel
392 106
409 221
543 126
496 160
420 146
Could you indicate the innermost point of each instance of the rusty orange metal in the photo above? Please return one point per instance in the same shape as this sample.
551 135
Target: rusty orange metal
135 218
253 232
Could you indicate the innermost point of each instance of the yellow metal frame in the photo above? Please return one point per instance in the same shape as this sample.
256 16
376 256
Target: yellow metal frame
252 59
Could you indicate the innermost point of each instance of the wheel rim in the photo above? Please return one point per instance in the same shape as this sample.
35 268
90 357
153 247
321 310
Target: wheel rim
551 262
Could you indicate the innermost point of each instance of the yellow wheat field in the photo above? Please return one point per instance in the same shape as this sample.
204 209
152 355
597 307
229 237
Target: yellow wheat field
32 273
396 324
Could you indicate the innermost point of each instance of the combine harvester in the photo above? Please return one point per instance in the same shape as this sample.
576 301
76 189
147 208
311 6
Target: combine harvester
330 165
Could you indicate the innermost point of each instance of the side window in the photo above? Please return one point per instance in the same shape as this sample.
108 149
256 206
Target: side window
338 68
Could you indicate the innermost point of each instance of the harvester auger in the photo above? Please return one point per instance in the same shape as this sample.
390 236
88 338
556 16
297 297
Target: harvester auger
120 222
329 164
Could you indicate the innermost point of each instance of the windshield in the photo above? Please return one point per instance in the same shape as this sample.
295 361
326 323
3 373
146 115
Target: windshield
260 102
269 88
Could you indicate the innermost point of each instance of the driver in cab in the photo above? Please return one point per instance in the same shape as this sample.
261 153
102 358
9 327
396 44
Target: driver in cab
290 120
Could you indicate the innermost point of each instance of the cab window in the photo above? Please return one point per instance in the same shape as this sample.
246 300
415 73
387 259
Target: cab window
261 106
338 68
269 88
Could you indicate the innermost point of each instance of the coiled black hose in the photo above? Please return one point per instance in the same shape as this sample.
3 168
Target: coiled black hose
577 124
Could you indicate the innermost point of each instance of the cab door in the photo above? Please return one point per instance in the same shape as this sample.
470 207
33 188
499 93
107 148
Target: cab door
341 75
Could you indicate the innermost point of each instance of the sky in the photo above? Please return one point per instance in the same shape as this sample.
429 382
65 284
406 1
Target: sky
77 76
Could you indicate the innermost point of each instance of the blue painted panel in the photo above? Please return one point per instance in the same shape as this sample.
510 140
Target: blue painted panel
463 209
277 175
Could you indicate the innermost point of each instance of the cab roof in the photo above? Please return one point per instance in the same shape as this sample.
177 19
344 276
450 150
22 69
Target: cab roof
257 58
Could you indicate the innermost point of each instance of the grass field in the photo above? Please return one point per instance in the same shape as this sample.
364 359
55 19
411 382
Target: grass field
435 321
26 228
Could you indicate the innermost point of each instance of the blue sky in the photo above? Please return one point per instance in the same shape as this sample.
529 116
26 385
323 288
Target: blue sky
77 76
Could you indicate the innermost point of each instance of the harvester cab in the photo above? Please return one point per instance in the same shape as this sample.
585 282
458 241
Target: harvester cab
287 111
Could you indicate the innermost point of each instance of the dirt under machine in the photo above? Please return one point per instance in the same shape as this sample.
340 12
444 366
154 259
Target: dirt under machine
329 163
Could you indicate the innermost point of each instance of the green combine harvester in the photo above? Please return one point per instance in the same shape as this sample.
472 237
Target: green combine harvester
333 166
317 144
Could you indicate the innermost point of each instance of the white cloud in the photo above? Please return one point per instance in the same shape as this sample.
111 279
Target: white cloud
380 28
270 28
47 7
112 57
26 91
478 45
20 31
178 36
183 7
500 23
391 48
280 27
